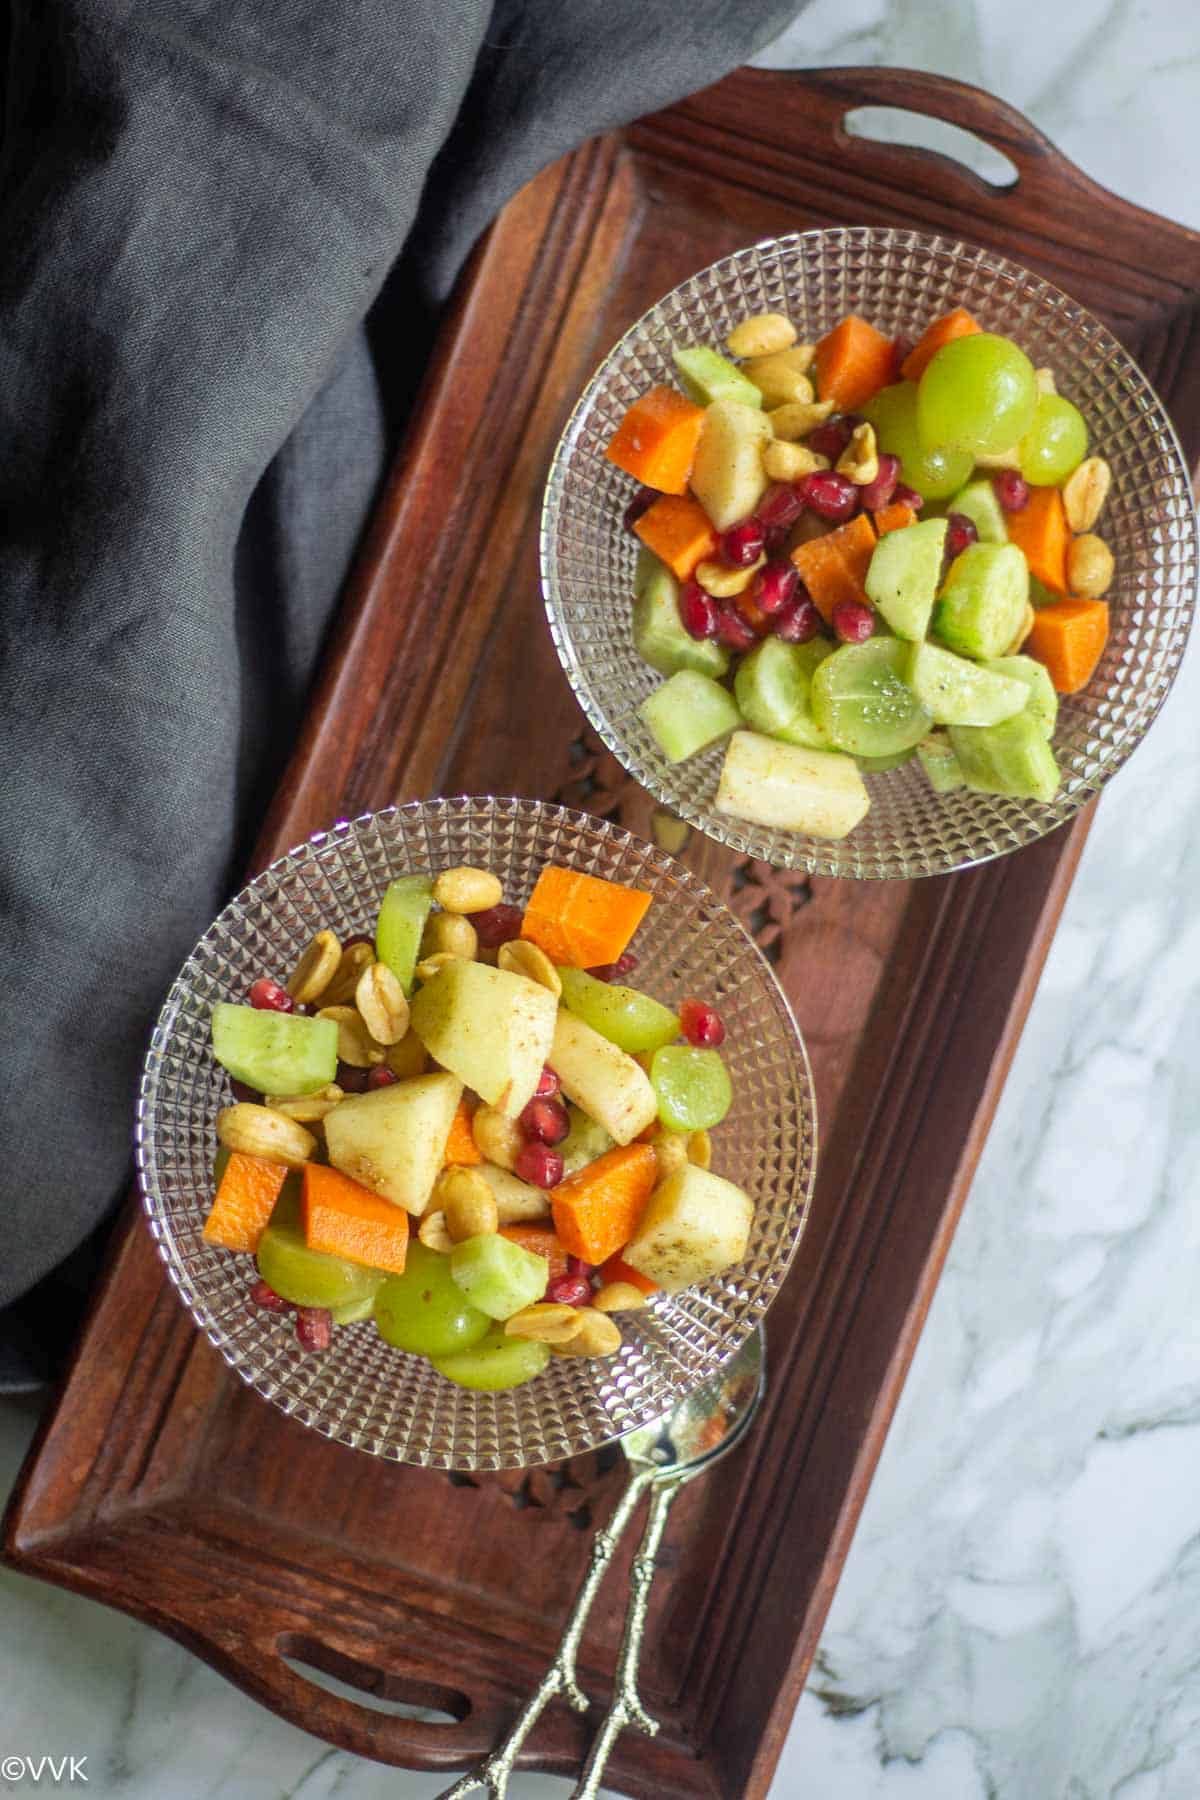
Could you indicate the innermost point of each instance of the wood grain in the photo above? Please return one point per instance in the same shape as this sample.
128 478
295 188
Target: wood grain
158 1484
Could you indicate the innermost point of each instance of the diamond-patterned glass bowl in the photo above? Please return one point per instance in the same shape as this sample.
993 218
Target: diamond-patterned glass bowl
362 1392
899 280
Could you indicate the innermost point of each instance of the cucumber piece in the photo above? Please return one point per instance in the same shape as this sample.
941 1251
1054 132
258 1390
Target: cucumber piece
789 788
658 633
495 1362
903 575
727 475
880 765
983 600
705 375
401 921
861 700
631 1020
940 763
955 691
977 502
773 686
1010 758
584 1142
499 1277
1042 700
687 714
277 1053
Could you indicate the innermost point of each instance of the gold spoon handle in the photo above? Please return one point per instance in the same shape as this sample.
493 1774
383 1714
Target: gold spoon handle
492 1774
627 1708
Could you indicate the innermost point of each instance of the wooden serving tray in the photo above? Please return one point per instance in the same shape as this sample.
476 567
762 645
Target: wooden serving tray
159 1484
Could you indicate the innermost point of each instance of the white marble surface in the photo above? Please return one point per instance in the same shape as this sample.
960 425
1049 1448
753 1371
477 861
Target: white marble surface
1020 1613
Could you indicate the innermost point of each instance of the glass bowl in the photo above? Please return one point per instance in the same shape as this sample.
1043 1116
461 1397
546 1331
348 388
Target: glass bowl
361 1392
899 280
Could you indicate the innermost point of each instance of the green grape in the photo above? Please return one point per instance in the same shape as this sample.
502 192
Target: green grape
495 1362
693 1088
631 1020
303 1276
425 1310
935 473
498 1277
862 702
979 392
1055 443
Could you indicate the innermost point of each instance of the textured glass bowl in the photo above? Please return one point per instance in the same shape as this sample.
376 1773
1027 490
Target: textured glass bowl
362 1392
899 280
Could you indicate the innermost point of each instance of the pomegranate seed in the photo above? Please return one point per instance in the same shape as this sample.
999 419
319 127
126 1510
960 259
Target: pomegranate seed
877 493
314 1327
577 1266
548 1082
774 586
545 1121
798 622
352 1080
700 1023
830 495
268 996
241 1091
697 611
261 1294
641 502
742 544
831 436
960 532
779 509
1012 490
853 622
380 1077
625 964
539 1165
497 925
903 495
569 1290
734 631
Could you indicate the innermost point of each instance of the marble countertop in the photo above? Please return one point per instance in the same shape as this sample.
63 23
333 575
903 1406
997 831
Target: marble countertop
1020 1613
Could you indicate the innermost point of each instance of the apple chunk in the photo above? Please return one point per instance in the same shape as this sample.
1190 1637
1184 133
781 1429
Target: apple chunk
605 1082
394 1140
695 1224
491 1028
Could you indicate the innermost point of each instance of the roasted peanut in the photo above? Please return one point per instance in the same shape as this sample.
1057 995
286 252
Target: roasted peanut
407 1058
381 1004
260 1131
670 1152
761 335
1046 383
449 934
700 1150
618 1296
428 967
316 969
788 462
355 958
467 1202
433 1234
798 418
1000 459
1084 492
306 1109
517 1201
598 1335
1089 566
860 459
782 377
356 1046
544 1323
467 890
523 958
497 1137
719 580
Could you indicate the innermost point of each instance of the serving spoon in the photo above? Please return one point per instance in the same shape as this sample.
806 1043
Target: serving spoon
663 1456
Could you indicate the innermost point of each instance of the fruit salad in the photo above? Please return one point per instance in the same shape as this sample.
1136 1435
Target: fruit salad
859 552
470 1129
